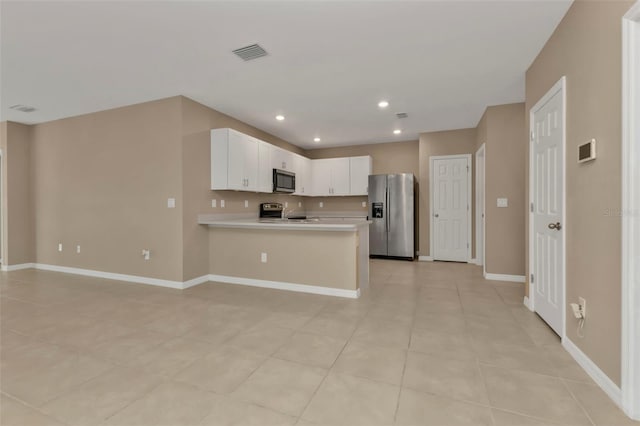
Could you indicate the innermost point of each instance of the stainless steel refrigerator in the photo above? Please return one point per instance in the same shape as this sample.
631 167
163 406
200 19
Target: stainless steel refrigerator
391 210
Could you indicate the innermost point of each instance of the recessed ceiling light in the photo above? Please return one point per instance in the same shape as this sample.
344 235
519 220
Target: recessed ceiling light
316 139
279 117
383 104
397 131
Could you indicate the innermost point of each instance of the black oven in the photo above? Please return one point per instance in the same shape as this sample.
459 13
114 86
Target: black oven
284 181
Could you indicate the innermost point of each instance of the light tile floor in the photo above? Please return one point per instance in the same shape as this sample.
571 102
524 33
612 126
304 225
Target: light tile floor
426 344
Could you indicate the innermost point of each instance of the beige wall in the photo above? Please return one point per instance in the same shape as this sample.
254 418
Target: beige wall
450 142
586 48
18 243
102 181
291 256
502 129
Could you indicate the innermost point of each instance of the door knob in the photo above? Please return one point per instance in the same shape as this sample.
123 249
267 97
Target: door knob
555 226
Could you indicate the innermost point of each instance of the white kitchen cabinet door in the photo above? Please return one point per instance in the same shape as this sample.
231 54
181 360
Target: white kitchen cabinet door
321 177
302 169
360 169
340 176
265 171
234 160
281 159
330 176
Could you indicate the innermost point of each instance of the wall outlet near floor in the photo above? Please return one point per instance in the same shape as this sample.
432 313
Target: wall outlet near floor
146 254
222 204
78 248
263 257
59 246
214 203
503 202
579 309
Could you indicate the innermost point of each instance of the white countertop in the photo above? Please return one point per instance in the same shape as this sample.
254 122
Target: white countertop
315 224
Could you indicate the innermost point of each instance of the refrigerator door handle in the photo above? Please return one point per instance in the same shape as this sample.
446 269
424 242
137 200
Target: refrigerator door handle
387 209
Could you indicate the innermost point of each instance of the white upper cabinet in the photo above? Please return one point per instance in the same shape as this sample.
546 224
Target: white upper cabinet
330 176
265 171
281 159
360 169
234 160
243 163
302 169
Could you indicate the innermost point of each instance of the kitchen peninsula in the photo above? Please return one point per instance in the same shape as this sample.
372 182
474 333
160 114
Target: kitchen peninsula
322 256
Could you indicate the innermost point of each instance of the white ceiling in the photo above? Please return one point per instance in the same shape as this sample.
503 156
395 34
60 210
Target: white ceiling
329 63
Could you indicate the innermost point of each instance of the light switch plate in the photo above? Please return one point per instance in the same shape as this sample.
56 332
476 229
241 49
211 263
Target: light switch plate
364 204
171 203
503 202
321 204
246 203
299 203
222 203
214 203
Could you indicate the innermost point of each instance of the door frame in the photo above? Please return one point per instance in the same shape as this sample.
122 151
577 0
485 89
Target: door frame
481 159
469 190
630 213
559 86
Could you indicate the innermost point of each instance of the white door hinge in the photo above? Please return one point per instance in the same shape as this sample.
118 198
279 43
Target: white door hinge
531 281
531 207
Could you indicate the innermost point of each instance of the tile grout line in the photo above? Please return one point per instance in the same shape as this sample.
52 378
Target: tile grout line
584 410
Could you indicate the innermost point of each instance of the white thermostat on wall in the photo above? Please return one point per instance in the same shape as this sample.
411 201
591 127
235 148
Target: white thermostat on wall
587 151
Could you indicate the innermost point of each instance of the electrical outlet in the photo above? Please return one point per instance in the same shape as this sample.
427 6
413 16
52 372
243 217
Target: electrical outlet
299 203
263 257
59 246
222 204
146 254
78 248
171 203
364 204
286 204
246 203
214 203
583 306
321 204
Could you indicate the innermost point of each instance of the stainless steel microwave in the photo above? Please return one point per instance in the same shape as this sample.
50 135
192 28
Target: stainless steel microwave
284 181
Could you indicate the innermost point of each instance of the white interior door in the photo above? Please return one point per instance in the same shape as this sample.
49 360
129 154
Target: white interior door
450 208
547 197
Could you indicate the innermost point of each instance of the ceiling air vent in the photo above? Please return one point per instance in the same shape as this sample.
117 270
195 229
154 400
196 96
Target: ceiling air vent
23 108
248 53
402 115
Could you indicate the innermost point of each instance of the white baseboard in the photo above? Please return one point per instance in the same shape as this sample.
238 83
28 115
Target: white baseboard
303 288
425 258
9 268
598 376
527 303
475 262
195 281
111 276
504 277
